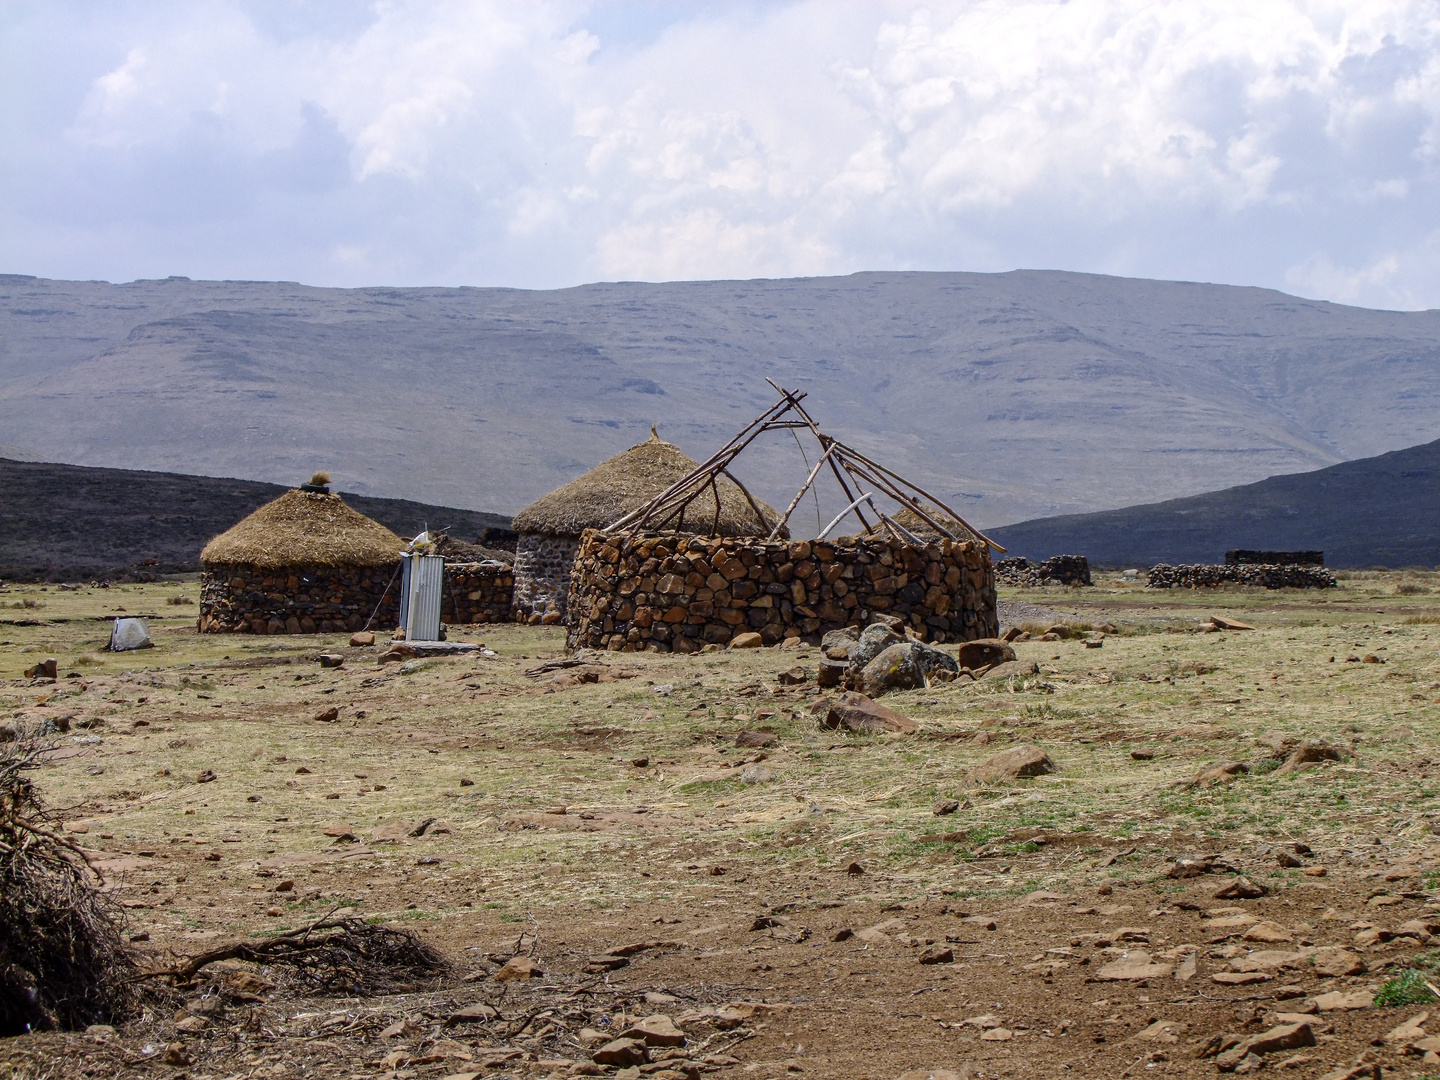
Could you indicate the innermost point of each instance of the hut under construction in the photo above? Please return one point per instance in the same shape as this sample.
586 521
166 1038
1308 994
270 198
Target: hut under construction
303 564
549 529
641 584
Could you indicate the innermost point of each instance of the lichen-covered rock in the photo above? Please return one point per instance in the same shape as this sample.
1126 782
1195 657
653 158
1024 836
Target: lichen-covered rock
874 639
907 665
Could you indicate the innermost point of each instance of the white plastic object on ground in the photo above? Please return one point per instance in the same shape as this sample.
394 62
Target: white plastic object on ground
127 634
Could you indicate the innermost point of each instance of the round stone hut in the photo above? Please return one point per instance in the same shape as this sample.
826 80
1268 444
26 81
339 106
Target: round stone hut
549 529
303 564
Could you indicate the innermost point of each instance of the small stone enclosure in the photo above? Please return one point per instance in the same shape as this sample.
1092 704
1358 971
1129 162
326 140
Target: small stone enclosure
671 592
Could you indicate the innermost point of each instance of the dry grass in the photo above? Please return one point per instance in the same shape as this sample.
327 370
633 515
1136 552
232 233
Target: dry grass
302 528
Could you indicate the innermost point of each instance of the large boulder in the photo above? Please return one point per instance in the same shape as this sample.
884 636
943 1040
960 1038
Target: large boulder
984 653
1014 764
856 712
875 639
906 665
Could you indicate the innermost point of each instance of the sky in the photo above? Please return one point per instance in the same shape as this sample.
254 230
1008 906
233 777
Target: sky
1280 143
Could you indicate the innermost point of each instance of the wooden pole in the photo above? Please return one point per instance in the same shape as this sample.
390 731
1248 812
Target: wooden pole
785 517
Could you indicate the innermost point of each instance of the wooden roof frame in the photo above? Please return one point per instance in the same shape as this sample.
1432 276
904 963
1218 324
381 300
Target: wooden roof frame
852 470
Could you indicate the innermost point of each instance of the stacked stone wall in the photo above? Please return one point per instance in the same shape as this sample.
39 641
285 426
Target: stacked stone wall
477 593
1056 570
242 599
679 593
1269 577
542 577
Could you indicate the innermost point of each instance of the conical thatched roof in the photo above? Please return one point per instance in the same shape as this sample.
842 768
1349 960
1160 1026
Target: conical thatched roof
626 482
908 519
304 529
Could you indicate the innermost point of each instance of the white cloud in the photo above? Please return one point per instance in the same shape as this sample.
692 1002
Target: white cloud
1287 143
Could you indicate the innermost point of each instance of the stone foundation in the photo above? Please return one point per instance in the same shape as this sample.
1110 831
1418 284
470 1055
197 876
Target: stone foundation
477 593
542 577
679 593
296 599
1269 577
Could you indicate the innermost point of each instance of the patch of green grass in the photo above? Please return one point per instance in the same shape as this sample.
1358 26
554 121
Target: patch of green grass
1408 988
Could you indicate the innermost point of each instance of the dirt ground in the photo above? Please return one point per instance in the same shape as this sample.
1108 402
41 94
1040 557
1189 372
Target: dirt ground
797 908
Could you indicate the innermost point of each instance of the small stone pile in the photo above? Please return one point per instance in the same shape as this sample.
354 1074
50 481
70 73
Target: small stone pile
1271 576
1056 570
477 593
882 658
670 592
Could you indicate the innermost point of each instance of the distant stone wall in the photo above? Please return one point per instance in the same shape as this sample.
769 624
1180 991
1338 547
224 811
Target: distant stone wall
1269 577
242 599
680 593
1056 570
542 577
478 593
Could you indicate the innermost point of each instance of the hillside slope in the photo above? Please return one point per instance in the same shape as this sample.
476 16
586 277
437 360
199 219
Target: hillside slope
1380 511
69 523
1015 395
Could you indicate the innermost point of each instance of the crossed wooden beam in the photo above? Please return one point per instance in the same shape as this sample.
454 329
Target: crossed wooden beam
852 470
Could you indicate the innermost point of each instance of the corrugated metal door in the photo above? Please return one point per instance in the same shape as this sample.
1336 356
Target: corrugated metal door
420 594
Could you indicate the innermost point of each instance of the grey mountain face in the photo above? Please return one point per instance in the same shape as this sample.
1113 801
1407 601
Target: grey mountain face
1011 396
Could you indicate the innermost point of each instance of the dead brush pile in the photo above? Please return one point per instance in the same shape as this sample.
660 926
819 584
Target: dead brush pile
63 961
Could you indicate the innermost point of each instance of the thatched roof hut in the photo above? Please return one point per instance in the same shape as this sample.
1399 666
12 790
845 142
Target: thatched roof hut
908 519
549 529
303 528
626 482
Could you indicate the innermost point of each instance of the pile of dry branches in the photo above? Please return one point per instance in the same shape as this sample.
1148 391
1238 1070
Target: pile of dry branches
63 961
330 956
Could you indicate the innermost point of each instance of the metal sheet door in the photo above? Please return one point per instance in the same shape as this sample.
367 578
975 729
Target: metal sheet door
424 579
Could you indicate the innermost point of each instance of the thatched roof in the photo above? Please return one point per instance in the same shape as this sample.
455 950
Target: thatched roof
908 519
626 482
304 529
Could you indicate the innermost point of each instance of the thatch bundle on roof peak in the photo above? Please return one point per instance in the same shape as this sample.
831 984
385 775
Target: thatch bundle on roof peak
303 528
627 481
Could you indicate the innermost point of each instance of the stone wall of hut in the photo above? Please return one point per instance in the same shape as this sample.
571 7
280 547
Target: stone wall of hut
477 593
542 577
296 599
680 593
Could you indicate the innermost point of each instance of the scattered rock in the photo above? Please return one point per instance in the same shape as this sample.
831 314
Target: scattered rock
997 1034
657 1030
874 639
1341 1000
1142 755
45 669
1280 1037
757 774
1310 752
1268 932
938 954
518 969
331 660
985 652
1334 963
837 644
477 1013
1285 859
1231 624
327 716
906 665
206 777
1241 888
1012 668
747 640
361 639
945 806
756 739
829 674
624 1052
795 676
1016 763
176 1054
1222 773
1132 966
856 712
843 934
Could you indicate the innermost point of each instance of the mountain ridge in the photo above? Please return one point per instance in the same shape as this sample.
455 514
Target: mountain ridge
1017 395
